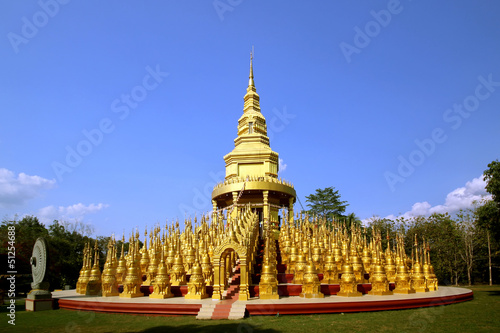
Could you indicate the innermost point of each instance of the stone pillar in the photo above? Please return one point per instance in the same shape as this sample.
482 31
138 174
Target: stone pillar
217 293
244 293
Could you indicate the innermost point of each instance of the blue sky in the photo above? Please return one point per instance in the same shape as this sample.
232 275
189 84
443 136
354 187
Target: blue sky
118 113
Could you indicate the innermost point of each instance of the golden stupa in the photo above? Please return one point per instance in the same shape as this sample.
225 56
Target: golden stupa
252 168
252 241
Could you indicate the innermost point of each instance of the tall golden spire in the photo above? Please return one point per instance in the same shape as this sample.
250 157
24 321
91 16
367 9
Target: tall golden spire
252 155
250 78
251 97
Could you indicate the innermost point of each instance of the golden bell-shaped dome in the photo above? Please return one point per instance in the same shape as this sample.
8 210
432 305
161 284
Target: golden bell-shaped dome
95 271
267 268
347 268
205 259
162 270
356 260
196 270
178 260
301 258
132 271
417 268
402 270
311 268
379 269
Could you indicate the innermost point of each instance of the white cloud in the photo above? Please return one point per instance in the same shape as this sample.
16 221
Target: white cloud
282 165
16 190
460 198
71 213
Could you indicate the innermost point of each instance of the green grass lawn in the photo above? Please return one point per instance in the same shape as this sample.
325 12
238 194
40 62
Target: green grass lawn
479 315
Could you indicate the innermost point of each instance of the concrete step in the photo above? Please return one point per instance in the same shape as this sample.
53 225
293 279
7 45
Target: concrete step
237 310
223 307
221 313
219 317
206 311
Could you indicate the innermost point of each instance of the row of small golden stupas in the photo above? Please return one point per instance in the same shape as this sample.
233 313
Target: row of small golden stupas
346 257
167 257
307 248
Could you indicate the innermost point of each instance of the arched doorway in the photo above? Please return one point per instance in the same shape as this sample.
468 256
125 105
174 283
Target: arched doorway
223 255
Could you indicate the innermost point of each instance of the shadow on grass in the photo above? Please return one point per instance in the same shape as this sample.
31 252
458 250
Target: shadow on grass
493 292
229 327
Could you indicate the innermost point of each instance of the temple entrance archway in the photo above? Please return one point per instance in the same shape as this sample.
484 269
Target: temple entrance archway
224 257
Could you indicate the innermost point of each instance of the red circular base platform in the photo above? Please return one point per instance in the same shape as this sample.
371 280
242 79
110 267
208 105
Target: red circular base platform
69 299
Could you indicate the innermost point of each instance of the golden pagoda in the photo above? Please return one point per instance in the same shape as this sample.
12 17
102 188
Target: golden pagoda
133 280
161 284
252 168
311 288
378 280
268 285
403 279
300 267
109 284
430 276
83 279
196 284
178 272
121 270
348 284
94 286
330 274
223 250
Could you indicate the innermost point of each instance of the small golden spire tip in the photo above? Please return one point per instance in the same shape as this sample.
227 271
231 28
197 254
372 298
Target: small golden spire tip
250 81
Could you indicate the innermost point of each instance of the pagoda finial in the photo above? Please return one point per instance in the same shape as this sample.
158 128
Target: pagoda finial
250 78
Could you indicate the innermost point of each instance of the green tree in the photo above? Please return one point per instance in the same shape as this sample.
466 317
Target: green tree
489 212
352 220
387 227
326 203
488 215
470 235
66 252
492 177
488 218
442 234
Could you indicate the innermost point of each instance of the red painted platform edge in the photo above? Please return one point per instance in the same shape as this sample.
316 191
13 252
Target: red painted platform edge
136 308
338 307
